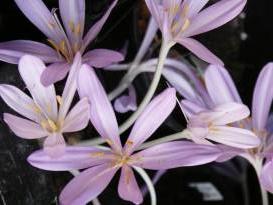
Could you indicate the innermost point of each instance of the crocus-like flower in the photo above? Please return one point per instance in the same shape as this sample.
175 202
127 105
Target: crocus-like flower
102 164
44 118
66 43
179 20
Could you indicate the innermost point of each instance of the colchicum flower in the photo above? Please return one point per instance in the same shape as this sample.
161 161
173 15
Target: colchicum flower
179 20
102 164
66 43
44 117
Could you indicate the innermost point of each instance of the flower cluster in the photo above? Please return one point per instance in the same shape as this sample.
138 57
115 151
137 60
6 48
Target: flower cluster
219 126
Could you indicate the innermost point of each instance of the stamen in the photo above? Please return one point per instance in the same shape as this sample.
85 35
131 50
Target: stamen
185 10
186 25
109 142
77 30
97 154
59 100
71 26
44 124
52 125
129 143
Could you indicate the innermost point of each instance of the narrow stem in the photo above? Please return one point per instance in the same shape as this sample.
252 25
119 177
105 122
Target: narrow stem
162 56
149 183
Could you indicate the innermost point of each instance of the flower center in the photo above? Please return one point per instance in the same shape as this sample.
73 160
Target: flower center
180 20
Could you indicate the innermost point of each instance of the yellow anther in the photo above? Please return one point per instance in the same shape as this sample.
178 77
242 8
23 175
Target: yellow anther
63 47
185 10
78 28
52 125
71 26
129 143
185 25
48 108
59 100
97 154
109 142
44 124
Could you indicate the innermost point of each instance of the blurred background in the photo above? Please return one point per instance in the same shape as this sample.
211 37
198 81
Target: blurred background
245 45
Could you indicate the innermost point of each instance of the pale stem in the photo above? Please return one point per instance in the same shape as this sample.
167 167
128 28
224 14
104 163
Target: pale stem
162 56
149 184
76 172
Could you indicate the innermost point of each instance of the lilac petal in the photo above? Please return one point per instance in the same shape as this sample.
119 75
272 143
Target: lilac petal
78 117
12 51
194 6
101 58
228 153
262 97
54 145
234 137
24 128
199 50
73 158
175 154
220 85
30 69
37 12
101 112
151 118
73 16
128 188
87 185
19 101
70 86
54 73
266 176
214 16
94 30
126 103
224 114
191 108
156 12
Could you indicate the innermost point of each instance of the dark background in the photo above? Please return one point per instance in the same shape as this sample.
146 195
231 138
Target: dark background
21 184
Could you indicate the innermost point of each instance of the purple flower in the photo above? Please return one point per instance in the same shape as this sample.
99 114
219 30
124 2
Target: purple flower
102 163
44 117
179 20
65 42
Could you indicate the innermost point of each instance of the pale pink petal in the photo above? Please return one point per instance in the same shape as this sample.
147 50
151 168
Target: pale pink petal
78 117
175 154
234 137
12 51
54 145
156 12
70 86
101 58
126 103
214 16
199 50
151 118
191 108
18 101
24 128
73 16
37 12
262 97
73 158
128 188
220 85
30 69
87 185
101 112
54 73
266 176
94 30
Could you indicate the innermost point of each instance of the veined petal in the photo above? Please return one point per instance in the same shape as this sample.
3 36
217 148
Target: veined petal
70 86
220 85
30 69
193 7
128 188
73 16
199 50
214 16
262 97
175 154
37 12
19 101
191 108
266 176
101 58
126 103
234 137
54 73
54 145
12 51
73 158
101 112
24 128
151 118
94 30
87 185
78 117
